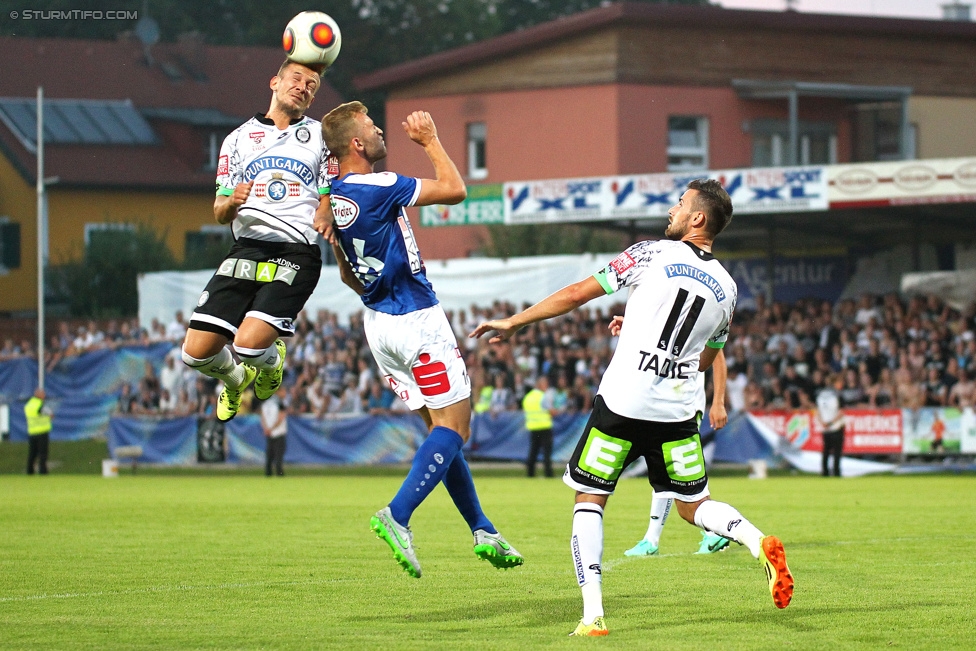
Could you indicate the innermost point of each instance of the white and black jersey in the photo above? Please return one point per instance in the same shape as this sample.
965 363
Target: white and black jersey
681 300
290 169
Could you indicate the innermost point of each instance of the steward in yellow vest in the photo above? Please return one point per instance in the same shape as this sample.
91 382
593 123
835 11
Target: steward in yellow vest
484 399
38 430
537 405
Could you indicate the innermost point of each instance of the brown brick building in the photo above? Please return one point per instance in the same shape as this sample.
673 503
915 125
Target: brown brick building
129 141
638 88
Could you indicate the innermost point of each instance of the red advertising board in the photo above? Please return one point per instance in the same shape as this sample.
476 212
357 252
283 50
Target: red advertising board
866 431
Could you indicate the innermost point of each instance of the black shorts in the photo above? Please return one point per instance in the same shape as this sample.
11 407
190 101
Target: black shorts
270 281
673 452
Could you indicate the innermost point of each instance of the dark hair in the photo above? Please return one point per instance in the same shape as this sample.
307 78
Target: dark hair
715 202
314 68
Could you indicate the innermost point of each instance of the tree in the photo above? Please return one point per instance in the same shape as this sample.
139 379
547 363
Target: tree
104 282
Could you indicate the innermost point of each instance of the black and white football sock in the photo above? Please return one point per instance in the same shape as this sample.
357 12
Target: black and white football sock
587 549
725 520
221 366
660 508
263 359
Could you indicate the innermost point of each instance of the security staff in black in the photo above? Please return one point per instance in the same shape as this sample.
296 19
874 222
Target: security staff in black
39 432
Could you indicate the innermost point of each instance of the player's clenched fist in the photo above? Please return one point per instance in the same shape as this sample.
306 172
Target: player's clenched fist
241 193
420 127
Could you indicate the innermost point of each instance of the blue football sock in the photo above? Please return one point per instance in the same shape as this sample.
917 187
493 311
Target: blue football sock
429 466
460 485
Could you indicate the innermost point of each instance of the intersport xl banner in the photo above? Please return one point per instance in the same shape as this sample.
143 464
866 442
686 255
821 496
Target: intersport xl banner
646 196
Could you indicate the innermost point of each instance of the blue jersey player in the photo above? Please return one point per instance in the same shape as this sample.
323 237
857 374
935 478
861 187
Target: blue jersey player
408 332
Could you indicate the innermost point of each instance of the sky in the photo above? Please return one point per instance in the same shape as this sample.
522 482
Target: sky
895 8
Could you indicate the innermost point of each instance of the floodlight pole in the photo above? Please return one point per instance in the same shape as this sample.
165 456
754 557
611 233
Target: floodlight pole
41 237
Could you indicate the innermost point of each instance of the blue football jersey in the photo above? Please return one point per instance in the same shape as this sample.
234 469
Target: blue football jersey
376 237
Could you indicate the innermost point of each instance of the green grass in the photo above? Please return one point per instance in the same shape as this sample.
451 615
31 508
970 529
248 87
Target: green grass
64 457
244 562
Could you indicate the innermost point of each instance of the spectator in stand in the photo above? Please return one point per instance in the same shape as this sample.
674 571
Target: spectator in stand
379 400
206 398
934 388
185 404
170 376
176 329
963 392
350 401
501 396
318 399
884 394
581 396
851 394
147 402
867 311
168 402
127 401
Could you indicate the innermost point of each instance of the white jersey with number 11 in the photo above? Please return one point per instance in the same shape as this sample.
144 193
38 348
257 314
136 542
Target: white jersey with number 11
681 300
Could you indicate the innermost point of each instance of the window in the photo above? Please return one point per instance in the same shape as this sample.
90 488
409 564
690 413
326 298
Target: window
477 162
9 245
771 142
877 133
105 231
687 143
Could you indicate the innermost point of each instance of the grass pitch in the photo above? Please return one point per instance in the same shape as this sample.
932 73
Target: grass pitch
245 562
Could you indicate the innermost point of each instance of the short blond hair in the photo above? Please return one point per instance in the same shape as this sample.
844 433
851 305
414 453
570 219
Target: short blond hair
339 126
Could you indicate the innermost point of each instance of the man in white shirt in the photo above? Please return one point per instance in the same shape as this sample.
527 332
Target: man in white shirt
678 314
832 421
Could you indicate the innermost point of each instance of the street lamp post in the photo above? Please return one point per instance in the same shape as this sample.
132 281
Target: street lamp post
41 236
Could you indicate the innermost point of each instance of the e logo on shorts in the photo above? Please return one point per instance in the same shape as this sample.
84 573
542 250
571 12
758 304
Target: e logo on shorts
684 460
604 455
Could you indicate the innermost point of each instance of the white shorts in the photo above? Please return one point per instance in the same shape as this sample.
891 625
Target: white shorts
418 355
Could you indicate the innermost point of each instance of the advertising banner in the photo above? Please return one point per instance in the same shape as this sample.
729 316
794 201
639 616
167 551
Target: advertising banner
795 277
483 206
866 431
946 180
650 196
935 430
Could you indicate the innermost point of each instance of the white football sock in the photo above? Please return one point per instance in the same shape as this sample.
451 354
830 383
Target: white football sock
660 508
723 519
263 359
221 366
587 548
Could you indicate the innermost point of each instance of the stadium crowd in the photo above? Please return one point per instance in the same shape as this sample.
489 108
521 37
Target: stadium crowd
890 352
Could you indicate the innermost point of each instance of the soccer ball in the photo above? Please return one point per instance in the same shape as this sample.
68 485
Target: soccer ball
312 38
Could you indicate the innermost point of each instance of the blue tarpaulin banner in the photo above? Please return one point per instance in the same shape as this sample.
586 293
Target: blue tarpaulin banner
82 391
170 441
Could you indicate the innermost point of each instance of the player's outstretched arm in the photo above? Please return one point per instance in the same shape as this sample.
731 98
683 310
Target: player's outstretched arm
717 415
225 206
447 187
565 300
